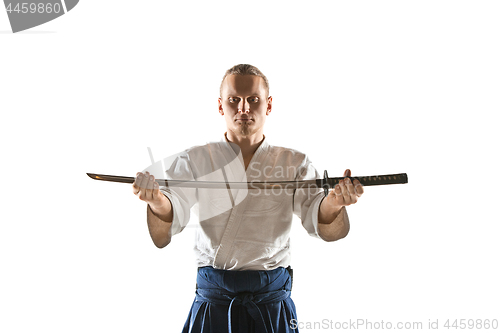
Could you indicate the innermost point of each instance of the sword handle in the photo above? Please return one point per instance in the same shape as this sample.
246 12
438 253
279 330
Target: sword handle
397 178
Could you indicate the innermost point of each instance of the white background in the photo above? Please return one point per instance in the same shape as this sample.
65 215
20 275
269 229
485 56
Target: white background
375 86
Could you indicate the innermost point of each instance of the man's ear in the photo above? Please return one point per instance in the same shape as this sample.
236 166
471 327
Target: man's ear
220 106
269 105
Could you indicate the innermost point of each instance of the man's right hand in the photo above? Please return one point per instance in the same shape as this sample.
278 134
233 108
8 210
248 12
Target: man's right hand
148 190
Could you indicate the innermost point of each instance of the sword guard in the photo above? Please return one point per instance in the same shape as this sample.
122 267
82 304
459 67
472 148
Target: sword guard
325 185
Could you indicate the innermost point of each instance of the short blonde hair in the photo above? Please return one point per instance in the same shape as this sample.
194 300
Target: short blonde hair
245 69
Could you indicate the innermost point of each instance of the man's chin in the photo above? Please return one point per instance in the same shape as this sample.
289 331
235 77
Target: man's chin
244 130
245 133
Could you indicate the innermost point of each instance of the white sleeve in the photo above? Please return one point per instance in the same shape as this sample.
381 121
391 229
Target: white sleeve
306 201
182 198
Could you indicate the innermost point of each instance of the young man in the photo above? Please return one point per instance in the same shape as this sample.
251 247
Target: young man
242 245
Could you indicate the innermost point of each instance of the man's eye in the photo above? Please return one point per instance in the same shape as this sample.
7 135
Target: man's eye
254 99
232 100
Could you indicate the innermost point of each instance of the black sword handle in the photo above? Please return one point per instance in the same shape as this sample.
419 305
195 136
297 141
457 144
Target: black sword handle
397 178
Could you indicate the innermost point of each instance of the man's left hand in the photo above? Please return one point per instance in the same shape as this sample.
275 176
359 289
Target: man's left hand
345 192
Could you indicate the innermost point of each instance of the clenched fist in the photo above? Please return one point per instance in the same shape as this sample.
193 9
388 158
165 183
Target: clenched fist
148 190
345 192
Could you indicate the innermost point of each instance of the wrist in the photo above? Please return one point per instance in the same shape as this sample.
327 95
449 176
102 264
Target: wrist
158 200
328 212
330 208
335 208
160 207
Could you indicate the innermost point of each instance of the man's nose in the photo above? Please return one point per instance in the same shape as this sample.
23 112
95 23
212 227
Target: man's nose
244 106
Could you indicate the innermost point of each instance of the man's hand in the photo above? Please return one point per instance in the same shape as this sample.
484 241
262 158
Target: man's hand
345 193
148 190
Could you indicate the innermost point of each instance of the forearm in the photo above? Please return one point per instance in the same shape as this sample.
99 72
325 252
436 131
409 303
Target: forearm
159 223
333 224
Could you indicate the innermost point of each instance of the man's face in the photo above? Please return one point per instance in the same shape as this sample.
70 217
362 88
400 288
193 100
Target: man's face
244 104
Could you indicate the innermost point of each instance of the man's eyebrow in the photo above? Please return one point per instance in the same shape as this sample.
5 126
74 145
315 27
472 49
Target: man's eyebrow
233 94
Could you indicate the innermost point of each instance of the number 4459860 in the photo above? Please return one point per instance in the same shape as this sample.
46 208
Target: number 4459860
471 324
33 7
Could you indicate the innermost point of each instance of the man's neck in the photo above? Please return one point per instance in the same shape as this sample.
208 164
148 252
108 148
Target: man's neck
248 145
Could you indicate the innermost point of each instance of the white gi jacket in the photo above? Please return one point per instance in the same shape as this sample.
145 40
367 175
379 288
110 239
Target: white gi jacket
243 229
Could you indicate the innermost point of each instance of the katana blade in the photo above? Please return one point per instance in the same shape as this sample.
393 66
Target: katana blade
325 183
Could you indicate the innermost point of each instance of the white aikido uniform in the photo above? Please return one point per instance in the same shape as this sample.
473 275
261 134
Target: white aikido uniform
243 229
